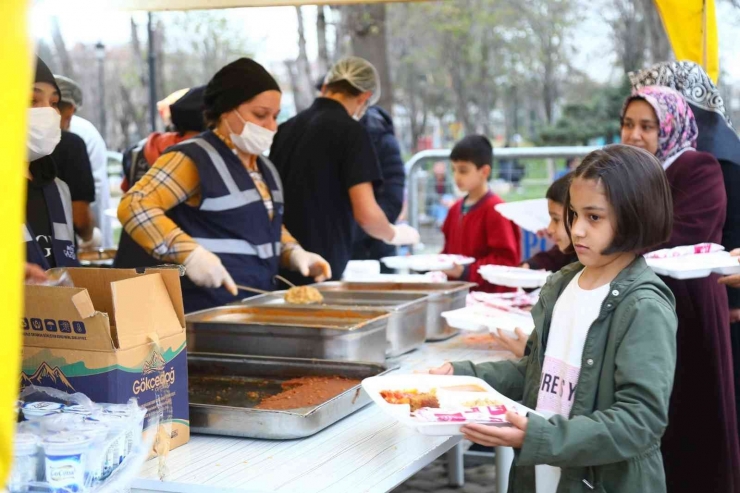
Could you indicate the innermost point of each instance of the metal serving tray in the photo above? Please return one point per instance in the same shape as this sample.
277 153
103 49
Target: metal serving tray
443 297
261 376
408 313
290 331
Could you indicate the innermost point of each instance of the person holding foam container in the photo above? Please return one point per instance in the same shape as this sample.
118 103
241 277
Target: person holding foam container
552 260
599 365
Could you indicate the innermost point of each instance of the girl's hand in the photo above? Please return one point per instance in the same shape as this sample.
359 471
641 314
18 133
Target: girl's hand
491 436
732 281
516 346
445 369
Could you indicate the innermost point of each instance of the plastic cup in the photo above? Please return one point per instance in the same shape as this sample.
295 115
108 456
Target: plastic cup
25 462
65 461
96 460
35 410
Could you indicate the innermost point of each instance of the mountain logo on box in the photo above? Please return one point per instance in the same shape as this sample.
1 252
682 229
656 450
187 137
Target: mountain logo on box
46 376
155 364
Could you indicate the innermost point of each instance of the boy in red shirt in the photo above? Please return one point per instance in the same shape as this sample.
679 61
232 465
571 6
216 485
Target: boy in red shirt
473 226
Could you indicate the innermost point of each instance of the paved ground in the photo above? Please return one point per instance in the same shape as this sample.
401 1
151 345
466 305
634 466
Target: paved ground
479 478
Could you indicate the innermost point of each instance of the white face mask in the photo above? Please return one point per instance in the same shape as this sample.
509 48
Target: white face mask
44 132
253 139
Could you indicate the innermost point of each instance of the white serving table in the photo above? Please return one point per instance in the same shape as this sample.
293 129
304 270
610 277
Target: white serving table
366 452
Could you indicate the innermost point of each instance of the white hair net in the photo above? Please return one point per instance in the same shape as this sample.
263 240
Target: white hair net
359 73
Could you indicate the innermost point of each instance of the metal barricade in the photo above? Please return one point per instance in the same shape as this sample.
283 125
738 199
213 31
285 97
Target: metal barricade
414 171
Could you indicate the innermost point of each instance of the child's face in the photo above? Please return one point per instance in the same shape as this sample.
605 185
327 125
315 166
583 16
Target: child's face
594 222
468 177
556 229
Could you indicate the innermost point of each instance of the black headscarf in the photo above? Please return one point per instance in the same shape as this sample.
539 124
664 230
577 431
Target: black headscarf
43 74
187 112
234 84
44 169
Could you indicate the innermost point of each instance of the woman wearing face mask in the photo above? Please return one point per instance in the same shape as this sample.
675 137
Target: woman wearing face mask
327 162
49 228
700 449
214 203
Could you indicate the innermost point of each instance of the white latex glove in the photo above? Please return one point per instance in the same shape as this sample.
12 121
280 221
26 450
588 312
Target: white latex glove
309 264
403 234
206 270
94 242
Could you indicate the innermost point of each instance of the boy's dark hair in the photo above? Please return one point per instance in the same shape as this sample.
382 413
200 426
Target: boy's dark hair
343 87
558 191
638 191
476 149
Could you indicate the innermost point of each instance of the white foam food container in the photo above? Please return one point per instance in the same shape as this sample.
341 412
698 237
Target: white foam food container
695 266
481 318
427 262
514 277
531 215
451 401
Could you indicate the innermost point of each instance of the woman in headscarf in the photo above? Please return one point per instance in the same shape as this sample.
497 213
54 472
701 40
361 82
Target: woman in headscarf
717 137
700 449
214 203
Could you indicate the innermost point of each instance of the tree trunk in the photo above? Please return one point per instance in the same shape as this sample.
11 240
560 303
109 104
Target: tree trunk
323 61
299 98
159 53
139 60
487 91
367 27
304 69
61 49
660 46
133 113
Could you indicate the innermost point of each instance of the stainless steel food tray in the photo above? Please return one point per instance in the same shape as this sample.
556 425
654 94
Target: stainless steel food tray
445 296
408 313
264 374
290 331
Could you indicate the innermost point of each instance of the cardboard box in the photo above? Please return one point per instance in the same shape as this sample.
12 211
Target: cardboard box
115 335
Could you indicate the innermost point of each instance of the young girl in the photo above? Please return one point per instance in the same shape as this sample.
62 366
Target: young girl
599 366
561 254
553 260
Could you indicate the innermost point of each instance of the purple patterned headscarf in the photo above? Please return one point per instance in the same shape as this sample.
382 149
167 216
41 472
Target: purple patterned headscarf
678 130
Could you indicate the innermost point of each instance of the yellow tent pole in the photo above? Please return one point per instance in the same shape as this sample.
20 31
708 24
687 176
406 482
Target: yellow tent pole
692 29
15 84
704 34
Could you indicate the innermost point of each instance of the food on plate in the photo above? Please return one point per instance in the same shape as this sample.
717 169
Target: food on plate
303 295
307 392
484 401
413 398
465 388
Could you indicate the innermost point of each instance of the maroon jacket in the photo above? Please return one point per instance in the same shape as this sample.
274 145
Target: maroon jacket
700 445
551 260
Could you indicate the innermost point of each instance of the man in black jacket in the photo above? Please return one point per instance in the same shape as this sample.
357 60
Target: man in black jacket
391 193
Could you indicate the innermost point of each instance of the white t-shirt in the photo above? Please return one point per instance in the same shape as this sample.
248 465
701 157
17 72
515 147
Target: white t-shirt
97 152
574 313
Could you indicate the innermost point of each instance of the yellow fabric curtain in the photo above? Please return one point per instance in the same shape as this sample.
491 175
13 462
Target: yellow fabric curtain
15 93
692 29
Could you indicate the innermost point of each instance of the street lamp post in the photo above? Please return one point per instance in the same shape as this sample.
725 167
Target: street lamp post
152 60
100 55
